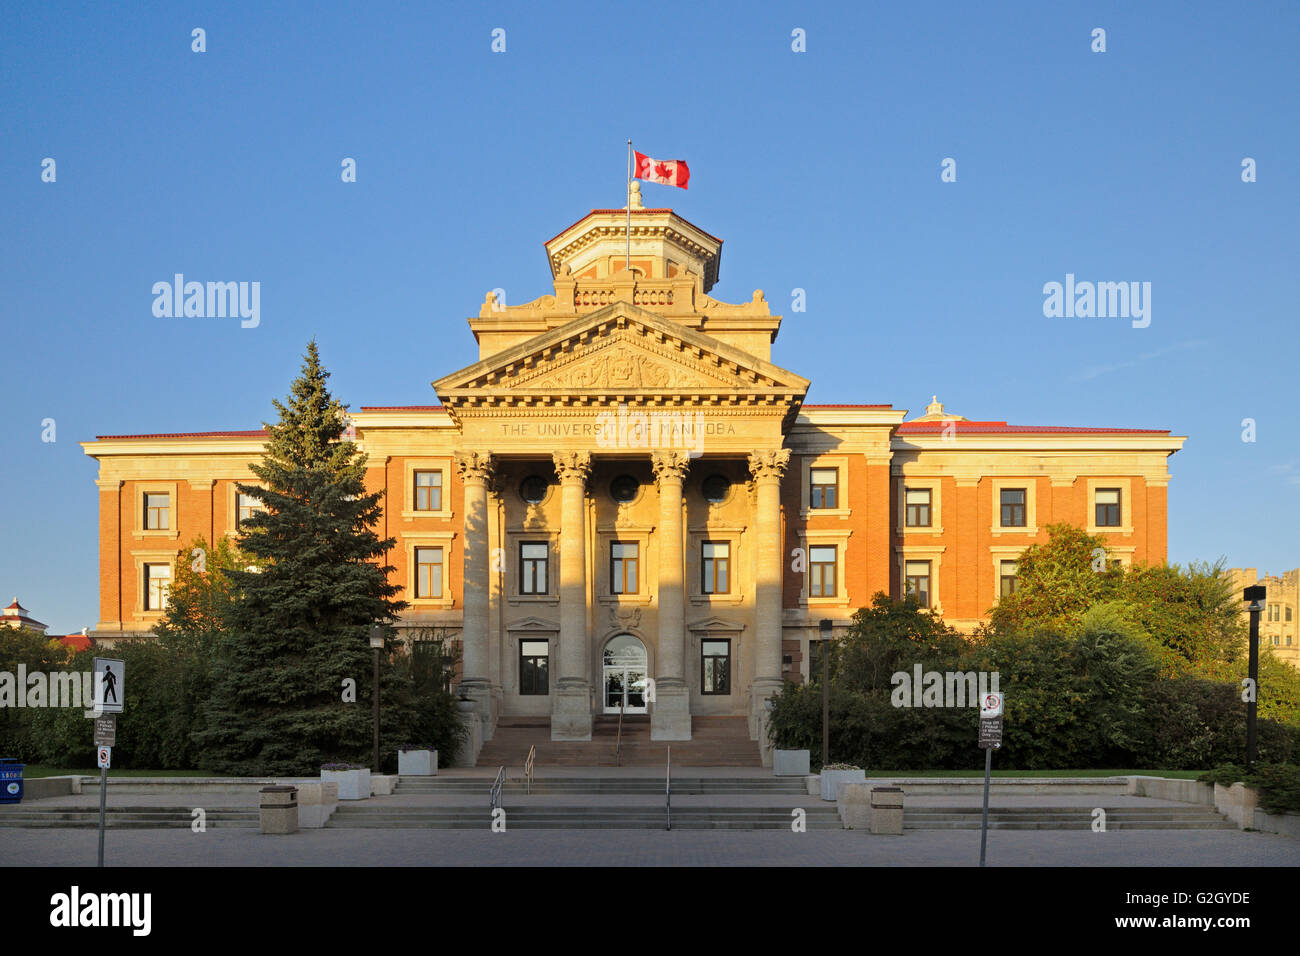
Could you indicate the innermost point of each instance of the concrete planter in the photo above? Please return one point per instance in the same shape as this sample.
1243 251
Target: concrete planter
790 763
832 780
417 763
352 784
854 805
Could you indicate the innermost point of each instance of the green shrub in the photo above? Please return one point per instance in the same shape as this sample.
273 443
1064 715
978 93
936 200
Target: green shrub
1278 784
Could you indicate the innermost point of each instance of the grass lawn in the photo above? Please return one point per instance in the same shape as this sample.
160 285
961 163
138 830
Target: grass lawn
1172 774
40 770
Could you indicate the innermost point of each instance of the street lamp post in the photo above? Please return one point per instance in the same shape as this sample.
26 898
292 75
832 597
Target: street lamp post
376 643
1255 595
825 627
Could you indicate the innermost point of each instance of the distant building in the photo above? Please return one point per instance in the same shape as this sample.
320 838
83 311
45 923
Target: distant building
15 615
1278 624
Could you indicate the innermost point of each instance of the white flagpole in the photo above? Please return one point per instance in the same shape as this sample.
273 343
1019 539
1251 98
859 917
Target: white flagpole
629 206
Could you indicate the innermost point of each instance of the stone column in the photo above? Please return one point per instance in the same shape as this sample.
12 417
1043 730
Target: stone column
670 714
475 473
571 698
767 468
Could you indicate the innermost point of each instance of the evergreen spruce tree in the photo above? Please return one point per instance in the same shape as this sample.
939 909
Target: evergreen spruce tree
298 633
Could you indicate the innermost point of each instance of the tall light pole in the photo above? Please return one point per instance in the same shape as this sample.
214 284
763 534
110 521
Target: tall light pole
377 643
825 627
1255 595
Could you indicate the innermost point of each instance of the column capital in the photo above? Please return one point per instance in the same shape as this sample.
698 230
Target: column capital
572 465
670 464
476 466
769 464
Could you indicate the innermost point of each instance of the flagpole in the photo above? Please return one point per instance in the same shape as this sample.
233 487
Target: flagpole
629 207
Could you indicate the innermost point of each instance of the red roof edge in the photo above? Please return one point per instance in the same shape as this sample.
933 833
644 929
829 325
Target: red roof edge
401 408
259 433
1005 429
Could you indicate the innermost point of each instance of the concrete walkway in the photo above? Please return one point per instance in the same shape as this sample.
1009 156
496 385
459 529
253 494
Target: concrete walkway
246 847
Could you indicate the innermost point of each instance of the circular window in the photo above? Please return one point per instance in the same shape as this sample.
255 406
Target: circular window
716 488
624 488
533 490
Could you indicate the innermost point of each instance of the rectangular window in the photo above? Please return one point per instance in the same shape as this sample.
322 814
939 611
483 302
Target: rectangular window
715 667
821 571
247 506
622 567
1013 507
157 581
824 485
1273 612
917 574
534 668
1288 612
918 507
428 572
533 559
716 563
428 491
1108 507
156 511
1007 580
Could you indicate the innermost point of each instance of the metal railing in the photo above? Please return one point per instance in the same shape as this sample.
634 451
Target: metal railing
618 739
668 789
494 795
528 769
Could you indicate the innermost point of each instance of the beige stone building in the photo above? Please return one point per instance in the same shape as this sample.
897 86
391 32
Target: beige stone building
624 506
1279 624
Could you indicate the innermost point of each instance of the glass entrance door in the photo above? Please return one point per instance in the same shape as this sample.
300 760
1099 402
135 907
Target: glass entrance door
625 672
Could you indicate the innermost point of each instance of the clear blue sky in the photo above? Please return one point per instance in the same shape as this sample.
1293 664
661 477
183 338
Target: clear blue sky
819 169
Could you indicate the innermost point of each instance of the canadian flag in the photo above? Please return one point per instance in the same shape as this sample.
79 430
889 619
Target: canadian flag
670 172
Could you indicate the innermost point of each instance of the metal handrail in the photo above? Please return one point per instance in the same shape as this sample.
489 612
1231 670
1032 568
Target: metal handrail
618 740
528 769
494 795
668 788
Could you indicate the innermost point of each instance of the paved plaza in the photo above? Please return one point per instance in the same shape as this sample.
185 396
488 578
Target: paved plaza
644 848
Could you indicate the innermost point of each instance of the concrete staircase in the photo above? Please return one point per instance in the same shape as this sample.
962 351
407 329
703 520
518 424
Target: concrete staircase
122 818
475 787
622 817
1065 818
715 742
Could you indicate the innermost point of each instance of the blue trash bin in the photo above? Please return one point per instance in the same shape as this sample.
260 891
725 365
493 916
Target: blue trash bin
11 781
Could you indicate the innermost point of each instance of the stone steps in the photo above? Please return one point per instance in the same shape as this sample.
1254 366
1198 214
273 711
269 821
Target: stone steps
124 818
716 742
1064 818
583 818
610 785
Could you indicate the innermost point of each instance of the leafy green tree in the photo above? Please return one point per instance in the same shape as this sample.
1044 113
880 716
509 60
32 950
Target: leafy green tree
1057 582
297 633
892 636
202 592
1191 615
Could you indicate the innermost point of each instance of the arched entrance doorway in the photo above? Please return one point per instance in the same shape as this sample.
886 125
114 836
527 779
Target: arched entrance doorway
624 671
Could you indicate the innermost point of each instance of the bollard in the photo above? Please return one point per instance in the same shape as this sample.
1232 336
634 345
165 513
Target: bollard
279 809
887 810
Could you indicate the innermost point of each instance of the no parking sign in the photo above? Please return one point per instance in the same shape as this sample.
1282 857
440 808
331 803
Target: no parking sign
105 755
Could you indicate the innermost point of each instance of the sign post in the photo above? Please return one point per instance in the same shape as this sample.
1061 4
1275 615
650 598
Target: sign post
990 739
109 695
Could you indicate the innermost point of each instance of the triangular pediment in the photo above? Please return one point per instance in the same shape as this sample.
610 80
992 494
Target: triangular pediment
622 353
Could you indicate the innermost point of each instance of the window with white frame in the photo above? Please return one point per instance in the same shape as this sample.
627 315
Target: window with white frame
157 584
